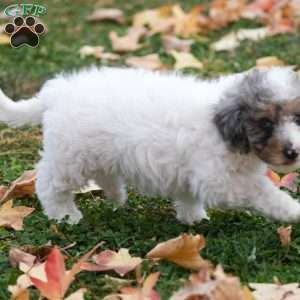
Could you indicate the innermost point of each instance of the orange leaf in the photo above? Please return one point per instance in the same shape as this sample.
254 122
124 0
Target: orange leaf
58 280
12 217
275 178
284 234
288 181
183 251
120 261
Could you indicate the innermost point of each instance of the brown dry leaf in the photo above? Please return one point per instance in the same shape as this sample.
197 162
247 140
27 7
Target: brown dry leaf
232 40
211 286
107 14
3 190
97 52
268 291
23 186
269 61
149 62
121 262
171 42
129 42
285 235
185 60
183 250
12 217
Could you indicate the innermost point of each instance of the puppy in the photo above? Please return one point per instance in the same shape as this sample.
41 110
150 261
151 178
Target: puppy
202 143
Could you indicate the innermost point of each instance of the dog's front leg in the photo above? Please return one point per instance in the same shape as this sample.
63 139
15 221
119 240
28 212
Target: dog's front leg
266 198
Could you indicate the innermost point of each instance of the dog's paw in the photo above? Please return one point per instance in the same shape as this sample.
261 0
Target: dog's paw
74 216
24 32
190 218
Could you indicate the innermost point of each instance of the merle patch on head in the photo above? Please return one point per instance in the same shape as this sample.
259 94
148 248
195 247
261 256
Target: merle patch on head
249 118
24 32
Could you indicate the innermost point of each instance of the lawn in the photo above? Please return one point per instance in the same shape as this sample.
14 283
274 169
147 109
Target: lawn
245 244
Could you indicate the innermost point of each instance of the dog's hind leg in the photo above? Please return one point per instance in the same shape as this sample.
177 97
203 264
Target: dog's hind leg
55 195
113 186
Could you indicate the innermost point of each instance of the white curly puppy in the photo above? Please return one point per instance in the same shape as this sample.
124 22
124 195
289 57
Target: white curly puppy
202 143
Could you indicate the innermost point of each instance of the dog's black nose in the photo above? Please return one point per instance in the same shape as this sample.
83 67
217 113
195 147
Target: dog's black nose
290 153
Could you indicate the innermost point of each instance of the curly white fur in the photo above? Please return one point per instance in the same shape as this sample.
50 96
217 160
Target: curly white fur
149 130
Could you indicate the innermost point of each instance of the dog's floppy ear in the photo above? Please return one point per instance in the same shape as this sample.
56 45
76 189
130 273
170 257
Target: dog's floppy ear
230 120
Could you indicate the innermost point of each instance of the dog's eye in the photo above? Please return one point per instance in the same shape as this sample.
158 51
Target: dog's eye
266 124
297 119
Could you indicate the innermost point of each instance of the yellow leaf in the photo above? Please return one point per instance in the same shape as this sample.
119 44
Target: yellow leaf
269 61
186 60
12 217
4 39
183 251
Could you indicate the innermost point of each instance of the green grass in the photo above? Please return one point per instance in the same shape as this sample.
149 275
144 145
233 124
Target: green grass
245 244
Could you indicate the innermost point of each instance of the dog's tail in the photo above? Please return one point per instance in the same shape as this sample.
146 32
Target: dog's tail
18 114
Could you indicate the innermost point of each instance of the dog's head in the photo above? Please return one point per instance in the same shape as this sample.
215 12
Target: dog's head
261 114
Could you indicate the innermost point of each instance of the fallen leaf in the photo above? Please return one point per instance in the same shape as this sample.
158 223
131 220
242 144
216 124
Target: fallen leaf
92 186
58 279
285 235
12 217
120 261
107 14
159 20
186 24
129 42
269 61
211 286
183 250
171 42
4 39
143 292
233 39
97 52
149 62
288 181
185 60
3 190
267 291
223 12
17 256
258 9
21 187
78 295
19 291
